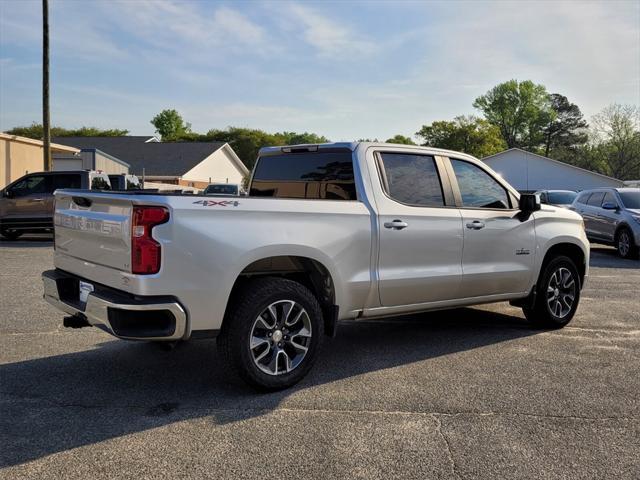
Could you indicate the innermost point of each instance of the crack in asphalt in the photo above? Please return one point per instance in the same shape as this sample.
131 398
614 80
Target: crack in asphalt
261 411
452 462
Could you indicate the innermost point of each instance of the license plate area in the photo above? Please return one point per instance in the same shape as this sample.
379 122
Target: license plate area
84 289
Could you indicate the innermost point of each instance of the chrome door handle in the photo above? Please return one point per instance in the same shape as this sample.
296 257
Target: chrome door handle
475 225
396 225
36 199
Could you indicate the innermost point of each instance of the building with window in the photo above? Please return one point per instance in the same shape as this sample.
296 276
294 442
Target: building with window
21 155
192 164
529 172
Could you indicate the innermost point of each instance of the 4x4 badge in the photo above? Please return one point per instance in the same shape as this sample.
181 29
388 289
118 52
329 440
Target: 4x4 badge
522 251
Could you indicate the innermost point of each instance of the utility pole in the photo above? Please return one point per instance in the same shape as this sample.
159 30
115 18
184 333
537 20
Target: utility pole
45 87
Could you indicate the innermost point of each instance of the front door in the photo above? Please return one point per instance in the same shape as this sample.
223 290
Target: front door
420 232
499 243
28 198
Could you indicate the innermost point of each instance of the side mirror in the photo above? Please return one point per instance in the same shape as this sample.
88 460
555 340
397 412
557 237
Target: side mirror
7 193
609 206
529 202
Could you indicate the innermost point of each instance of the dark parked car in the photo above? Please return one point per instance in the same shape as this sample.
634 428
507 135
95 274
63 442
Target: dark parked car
612 216
222 189
559 198
26 205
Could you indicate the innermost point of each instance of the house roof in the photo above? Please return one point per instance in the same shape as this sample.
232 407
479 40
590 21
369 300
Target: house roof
55 148
157 158
550 160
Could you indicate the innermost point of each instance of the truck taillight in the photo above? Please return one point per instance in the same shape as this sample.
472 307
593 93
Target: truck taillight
145 251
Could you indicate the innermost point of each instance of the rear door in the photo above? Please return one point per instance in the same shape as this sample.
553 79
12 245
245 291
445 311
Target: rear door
591 212
609 219
499 243
420 230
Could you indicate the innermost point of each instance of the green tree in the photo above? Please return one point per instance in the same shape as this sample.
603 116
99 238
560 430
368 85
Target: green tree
467 134
246 142
615 139
568 130
401 139
36 131
170 125
521 110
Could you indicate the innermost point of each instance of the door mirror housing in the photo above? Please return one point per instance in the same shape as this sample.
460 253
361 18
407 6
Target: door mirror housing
6 194
529 202
609 206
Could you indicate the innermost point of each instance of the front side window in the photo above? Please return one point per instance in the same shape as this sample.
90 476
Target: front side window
309 175
609 198
477 188
412 179
35 184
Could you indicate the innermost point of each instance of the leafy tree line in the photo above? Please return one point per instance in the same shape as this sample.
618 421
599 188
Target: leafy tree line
36 131
524 115
515 113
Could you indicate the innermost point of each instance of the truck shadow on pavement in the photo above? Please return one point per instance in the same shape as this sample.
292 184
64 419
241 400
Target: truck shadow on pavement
57 403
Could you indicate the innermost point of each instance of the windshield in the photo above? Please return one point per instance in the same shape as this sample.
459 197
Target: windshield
222 189
561 198
630 199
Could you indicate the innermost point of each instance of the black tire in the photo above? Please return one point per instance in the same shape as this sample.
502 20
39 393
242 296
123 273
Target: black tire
550 307
625 245
10 234
239 324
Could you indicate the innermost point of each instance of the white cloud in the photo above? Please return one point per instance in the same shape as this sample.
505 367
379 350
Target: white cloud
328 36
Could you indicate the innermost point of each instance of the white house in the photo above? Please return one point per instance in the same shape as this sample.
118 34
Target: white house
193 164
528 171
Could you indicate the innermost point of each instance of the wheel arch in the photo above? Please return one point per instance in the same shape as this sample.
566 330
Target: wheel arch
306 270
569 249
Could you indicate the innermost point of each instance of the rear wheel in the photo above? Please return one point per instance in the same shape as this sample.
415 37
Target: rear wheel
625 245
272 336
557 294
10 234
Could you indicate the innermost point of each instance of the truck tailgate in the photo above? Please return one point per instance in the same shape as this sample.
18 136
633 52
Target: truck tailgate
94 227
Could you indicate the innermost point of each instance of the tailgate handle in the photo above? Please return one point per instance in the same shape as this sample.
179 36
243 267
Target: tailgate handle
82 201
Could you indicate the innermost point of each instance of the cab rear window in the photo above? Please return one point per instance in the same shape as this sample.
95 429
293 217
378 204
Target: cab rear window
309 175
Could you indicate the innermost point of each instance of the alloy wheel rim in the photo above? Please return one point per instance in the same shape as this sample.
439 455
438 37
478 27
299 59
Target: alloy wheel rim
561 292
280 337
623 243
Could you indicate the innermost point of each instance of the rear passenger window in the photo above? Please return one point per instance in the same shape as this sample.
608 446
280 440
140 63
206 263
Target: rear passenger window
412 179
66 181
595 200
310 175
583 198
100 183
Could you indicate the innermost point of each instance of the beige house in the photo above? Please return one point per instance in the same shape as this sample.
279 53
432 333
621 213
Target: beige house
21 155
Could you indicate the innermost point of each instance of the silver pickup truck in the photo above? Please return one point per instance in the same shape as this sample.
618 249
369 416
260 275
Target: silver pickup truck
327 232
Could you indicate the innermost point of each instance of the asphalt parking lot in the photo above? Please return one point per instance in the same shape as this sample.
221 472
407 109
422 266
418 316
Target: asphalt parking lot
470 393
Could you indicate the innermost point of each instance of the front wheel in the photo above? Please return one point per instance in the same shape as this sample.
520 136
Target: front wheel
625 245
273 333
557 294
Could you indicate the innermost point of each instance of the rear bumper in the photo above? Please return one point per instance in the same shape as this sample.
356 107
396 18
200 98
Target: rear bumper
119 313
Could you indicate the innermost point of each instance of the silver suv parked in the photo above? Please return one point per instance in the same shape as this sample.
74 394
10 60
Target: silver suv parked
612 216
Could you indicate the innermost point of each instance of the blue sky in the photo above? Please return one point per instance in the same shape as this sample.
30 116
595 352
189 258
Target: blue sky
343 69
